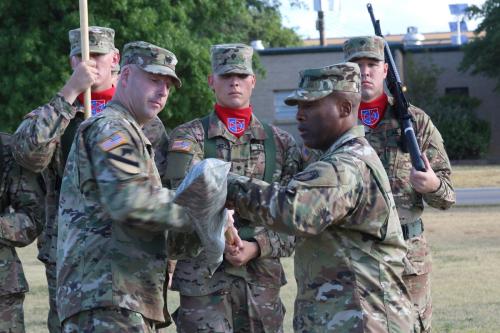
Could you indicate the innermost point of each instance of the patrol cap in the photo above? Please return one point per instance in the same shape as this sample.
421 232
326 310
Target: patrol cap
231 59
364 47
101 40
317 83
151 58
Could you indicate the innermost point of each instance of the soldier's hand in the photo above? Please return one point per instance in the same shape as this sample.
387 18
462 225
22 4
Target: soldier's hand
233 241
84 75
249 251
427 181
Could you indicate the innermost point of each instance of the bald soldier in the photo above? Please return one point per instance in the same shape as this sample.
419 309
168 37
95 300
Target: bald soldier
114 214
409 186
243 294
21 201
350 248
43 139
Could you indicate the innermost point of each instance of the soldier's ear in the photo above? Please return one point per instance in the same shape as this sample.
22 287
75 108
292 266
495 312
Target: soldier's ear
124 76
210 80
345 108
116 58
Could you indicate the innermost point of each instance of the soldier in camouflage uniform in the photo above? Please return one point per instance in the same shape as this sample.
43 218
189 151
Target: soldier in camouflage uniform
20 223
409 186
113 211
43 139
350 248
243 294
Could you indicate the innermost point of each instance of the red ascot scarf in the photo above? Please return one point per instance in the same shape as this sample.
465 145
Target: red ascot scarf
236 120
372 112
98 99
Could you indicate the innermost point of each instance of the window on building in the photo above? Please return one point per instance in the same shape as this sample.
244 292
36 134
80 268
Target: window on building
457 91
283 112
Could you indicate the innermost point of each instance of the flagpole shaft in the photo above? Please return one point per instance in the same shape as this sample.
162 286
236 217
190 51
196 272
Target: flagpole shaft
84 38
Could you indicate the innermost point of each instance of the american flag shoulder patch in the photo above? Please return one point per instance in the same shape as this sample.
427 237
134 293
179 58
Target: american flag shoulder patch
116 139
181 146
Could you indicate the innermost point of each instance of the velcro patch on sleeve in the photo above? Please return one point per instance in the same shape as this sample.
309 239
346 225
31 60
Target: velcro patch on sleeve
115 140
124 159
183 146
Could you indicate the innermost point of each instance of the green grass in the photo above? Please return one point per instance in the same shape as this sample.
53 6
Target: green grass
466 297
475 176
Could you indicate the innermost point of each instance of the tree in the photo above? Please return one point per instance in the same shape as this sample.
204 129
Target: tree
464 134
482 54
34 41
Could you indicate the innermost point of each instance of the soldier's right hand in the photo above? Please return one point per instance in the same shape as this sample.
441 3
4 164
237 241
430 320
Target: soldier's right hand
84 75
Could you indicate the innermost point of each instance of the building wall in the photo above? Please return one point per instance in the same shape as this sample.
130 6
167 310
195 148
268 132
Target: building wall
282 67
479 87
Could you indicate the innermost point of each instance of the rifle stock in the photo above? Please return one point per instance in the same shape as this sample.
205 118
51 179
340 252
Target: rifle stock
394 85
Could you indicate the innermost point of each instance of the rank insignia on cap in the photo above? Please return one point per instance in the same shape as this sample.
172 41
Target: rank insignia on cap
115 140
182 146
124 159
235 125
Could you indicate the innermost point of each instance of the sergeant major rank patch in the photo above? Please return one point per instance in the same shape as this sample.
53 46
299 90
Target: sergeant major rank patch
116 139
182 146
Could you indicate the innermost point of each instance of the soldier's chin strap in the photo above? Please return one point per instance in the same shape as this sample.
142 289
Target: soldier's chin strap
236 120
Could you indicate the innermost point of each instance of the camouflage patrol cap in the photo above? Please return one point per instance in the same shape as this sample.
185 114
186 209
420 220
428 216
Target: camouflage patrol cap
101 40
364 47
317 83
231 59
151 58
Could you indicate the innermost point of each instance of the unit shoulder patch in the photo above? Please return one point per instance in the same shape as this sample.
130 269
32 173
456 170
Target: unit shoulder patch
114 140
124 159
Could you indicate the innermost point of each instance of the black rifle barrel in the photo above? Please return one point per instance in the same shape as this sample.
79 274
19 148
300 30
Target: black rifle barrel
395 87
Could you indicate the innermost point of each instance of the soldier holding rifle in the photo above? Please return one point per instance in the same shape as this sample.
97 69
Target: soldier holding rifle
382 116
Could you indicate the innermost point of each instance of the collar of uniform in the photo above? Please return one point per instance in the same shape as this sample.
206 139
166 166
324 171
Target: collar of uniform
127 116
217 128
357 131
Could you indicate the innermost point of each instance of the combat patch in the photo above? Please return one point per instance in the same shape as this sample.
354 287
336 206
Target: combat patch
124 159
116 139
306 175
183 146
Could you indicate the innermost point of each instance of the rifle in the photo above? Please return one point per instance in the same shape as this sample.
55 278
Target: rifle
409 141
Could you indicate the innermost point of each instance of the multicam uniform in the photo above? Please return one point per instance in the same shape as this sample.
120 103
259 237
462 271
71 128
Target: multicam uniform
20 223
248 296
386 140
41 144
113 219
350 249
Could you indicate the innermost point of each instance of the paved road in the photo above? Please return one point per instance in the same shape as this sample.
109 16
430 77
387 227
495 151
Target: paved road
478 196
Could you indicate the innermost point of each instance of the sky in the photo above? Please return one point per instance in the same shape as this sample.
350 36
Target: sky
350 17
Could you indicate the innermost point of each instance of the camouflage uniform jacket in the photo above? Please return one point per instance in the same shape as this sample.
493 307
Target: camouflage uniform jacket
38 147
113 218
350 249
385 139
247 157
20 218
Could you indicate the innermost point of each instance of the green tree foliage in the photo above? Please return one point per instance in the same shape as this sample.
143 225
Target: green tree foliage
34 43
482 54
464 134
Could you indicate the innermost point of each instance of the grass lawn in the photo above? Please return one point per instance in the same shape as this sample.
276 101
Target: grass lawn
476 176
466 249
